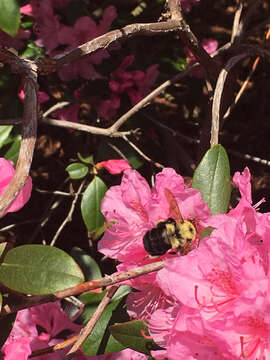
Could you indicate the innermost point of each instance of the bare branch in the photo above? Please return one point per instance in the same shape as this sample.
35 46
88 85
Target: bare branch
218 94
28 71
47 66
29 301
86 331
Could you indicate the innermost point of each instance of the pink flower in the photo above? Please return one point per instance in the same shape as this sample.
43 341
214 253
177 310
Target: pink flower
114 166
136 84
209 45
6 174
19 349
25 338
26 10
47 27
224 288
132 209
84 30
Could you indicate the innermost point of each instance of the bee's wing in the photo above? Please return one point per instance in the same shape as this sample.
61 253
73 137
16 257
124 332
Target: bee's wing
173 206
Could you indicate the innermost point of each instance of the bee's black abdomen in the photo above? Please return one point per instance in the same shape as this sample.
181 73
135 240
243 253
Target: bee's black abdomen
155 240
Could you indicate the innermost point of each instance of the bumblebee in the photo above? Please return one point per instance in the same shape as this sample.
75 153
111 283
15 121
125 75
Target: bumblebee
173 233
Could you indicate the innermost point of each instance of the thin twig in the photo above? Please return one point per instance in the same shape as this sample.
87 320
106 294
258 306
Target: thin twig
87 128
55 107
49 65
158 165
250 157
69 215
51 206
29 301
244 85
218 95
86 331
237 26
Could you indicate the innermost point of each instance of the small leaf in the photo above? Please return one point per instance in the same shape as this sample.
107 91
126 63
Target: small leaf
39 269
212 178
9 17
130 334
88 265
77 170
90 205
88 159
6 324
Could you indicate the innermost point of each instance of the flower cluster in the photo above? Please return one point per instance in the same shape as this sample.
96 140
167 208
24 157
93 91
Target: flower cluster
212 303
136 84
42 326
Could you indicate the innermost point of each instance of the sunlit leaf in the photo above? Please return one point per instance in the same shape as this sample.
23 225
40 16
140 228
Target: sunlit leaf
39 269
77 170
212 178
90 205
9 16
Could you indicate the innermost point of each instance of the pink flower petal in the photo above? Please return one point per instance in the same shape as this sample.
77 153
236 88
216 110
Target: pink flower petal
114 166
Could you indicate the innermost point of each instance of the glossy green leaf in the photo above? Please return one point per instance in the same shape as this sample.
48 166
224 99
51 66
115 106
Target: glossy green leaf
90 205
87 159
9 16
39 269
5 131
212 178
100 341
88 265
77 170
6 324
131 334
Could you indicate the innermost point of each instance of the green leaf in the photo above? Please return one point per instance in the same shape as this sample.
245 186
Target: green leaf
87 159
100 341
90 205
5 131
39 269
212 178
77 170
9 16
6 324
88 265
130 334
33 51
